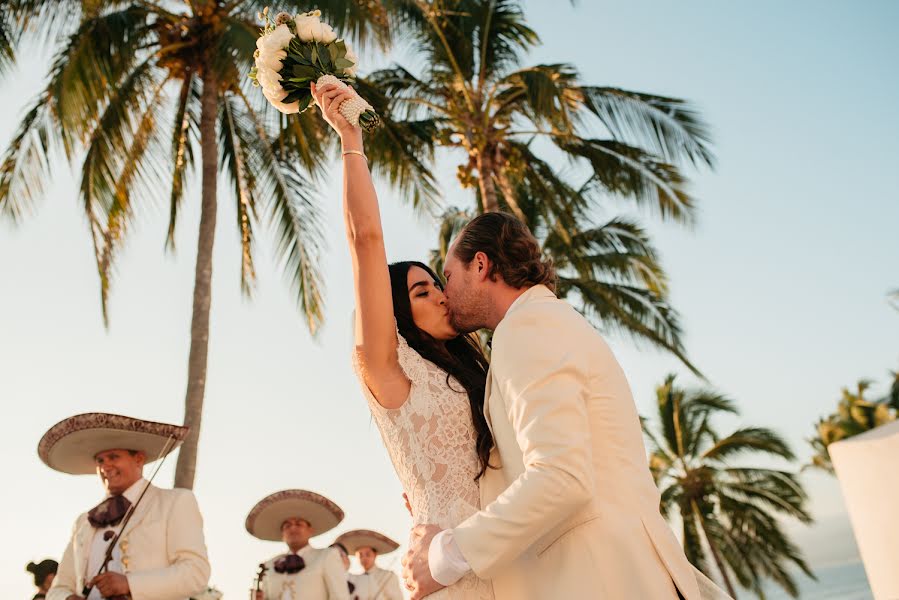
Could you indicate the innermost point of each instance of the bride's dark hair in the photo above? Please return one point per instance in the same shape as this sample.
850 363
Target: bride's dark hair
463 360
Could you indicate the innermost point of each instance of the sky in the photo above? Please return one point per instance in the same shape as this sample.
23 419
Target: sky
781 284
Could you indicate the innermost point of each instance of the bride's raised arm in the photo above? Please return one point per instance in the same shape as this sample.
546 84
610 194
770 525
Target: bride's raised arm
376 340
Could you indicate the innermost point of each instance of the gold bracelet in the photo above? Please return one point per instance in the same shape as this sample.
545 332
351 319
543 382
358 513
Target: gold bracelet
362 154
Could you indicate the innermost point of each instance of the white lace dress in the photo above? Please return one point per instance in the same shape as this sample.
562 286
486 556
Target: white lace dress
431 441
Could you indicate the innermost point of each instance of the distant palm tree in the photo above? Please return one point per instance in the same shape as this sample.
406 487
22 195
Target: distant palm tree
496 117
730 514
142 94
855 414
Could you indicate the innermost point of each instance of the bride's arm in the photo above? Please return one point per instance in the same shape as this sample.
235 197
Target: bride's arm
376 340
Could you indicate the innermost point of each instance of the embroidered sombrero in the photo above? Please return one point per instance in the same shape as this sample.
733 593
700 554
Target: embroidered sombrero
264 521
71 445
364 538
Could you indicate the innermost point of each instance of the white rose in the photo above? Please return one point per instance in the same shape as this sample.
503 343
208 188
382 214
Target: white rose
351 56
270 59
305 22
278 39
311 29
275 99
327 34
274 95
268 78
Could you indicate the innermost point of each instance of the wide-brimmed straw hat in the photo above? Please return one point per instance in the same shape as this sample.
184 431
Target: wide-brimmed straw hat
365 538
71 445
266 518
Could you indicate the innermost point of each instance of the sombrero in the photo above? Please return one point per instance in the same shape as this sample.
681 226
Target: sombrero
364 538
264 521
71 445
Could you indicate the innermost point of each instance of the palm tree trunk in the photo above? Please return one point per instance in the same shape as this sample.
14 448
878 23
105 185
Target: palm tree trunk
715 555
186 468
486 169
505 185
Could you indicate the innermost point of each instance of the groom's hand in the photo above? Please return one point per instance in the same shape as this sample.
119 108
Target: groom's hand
416 570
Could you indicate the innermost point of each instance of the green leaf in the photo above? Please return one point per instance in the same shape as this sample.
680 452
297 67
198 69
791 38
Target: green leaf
305 102
307 72
338 49
342 63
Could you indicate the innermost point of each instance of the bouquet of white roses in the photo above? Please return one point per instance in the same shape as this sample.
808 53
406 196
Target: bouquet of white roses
293 52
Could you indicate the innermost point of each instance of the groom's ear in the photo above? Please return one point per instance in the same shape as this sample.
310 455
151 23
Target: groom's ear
481 264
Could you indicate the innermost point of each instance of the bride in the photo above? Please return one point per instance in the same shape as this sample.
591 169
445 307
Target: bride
424 382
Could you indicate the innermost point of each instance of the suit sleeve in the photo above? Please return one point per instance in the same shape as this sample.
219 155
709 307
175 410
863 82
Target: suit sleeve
335 576
544 385
66 580
188 570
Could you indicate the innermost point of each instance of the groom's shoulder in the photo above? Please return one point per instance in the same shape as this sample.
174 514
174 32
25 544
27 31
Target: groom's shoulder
546 312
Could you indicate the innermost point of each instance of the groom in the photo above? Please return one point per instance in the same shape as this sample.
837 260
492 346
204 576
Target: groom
570 509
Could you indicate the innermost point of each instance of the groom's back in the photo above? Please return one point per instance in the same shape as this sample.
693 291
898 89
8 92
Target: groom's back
619 454
567 431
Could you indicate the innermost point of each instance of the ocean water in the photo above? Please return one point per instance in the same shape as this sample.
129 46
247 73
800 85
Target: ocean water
839 582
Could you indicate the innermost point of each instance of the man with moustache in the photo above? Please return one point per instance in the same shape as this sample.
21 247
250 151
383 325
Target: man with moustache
161 552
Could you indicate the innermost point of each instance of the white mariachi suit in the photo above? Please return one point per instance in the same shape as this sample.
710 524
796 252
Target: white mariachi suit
376 584
162 551
322 578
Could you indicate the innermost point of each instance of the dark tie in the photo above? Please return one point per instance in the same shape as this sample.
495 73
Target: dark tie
109 513
290 564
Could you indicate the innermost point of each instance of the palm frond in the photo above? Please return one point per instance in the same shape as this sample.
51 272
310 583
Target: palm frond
501 36
630 172
667 126
451 223
98 56
636 312
403 153
185 133
750 439
9 38
286 200
546 94
234 133
25 169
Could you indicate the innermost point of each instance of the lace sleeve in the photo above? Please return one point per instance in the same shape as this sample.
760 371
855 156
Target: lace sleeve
411 362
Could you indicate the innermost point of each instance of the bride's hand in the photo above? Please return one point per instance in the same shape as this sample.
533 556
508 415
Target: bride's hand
329 97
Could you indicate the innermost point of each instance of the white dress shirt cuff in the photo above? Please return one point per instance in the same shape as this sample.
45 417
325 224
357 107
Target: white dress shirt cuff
445 559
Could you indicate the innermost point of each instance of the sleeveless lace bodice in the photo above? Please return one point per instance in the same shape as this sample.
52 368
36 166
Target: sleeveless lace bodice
431 442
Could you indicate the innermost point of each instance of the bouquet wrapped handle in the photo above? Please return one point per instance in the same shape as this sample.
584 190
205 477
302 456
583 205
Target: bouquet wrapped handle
356 110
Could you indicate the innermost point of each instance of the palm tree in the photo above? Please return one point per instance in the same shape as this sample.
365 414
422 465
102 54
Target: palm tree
730 513
855 414
146 91
474 99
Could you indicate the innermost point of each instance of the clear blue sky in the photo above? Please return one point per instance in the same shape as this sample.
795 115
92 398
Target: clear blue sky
781 285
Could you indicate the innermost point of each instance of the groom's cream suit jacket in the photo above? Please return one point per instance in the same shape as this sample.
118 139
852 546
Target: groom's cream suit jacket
162 548
572 512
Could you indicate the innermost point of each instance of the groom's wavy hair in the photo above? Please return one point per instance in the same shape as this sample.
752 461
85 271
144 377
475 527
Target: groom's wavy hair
513 250
463 359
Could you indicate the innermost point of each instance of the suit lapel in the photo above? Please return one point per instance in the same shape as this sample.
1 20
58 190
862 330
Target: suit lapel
486 408
141 511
